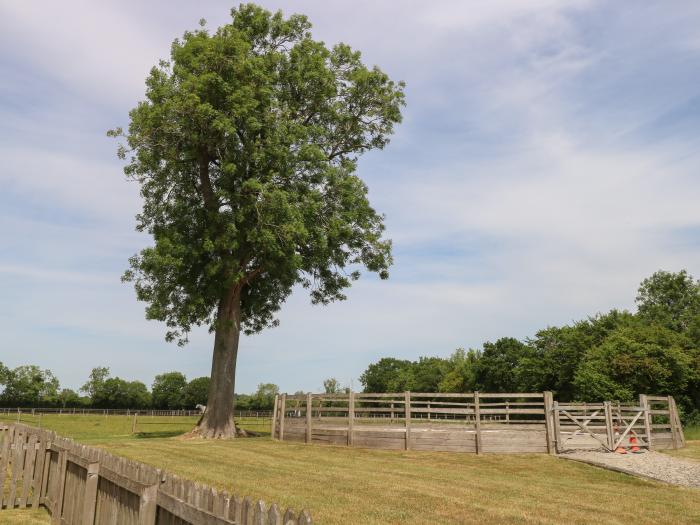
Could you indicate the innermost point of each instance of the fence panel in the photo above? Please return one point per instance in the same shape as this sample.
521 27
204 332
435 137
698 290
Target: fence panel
81 485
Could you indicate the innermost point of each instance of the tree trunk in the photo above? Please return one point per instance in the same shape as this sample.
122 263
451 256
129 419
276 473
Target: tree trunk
217 421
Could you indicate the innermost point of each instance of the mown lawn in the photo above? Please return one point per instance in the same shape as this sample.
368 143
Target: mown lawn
24 517
341 486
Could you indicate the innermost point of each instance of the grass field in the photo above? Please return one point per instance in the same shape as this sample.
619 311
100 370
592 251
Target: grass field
692 450
340 485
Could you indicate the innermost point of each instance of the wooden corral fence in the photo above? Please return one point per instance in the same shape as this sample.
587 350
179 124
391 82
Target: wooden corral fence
82 485
474 422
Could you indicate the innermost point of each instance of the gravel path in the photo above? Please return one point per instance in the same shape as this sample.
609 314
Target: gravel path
654 465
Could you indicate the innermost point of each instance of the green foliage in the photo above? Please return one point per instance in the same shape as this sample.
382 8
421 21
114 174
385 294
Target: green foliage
671 300
96 381
557 352
498 368
118 393
460 375
636 358
382 376
264 397
245 149
196 392
4 373
29 386
331 386
168 391
68 398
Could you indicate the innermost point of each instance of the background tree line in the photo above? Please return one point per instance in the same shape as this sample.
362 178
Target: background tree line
30 386
611 356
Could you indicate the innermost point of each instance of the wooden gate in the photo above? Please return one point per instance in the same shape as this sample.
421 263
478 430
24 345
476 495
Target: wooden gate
605 425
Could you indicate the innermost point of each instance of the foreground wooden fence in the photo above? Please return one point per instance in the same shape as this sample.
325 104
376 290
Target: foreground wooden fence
474 422
82 485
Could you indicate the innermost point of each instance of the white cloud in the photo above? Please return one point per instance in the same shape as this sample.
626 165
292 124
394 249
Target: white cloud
521 158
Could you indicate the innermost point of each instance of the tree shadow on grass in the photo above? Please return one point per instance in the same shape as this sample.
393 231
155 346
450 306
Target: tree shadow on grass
159 434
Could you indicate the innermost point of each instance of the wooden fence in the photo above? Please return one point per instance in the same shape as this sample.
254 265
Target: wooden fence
474 422
82 485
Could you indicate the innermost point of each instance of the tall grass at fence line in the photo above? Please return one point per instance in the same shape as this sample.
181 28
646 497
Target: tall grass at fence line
692 433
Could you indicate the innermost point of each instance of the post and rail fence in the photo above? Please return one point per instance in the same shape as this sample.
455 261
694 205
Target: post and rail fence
82 485
475 422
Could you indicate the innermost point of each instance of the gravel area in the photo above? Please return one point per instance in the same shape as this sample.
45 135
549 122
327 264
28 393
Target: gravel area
653 465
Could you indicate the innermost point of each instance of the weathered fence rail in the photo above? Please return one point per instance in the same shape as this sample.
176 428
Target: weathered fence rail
474 422
82 485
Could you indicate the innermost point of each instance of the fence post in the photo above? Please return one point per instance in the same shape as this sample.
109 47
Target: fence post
274 416
133 425
557 428
90 497
283 409
148 504
477 424
644 405
609 425
407 416
351 417
547 398
679 426
309 414
672 422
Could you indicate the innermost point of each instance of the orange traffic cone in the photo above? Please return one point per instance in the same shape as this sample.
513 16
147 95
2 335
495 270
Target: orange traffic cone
634 448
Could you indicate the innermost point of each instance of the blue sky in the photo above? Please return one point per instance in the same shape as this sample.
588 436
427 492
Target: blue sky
547 163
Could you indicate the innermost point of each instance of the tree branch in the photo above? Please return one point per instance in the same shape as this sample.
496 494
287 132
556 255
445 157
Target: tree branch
210 201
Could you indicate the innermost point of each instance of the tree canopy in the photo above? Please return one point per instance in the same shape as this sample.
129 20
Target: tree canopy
246 151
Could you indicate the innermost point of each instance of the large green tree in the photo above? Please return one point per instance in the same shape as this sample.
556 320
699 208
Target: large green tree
246 149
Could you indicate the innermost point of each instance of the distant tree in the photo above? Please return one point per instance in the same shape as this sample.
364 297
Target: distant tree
637 358
671 300
68 398
244 402
427 374
168 391
246 148
557 352
118 393
96 381
379 377
29 385
461 372
497 370
264 397
196 392
331 386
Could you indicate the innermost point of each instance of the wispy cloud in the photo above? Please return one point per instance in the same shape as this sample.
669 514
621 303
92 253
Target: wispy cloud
546 164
